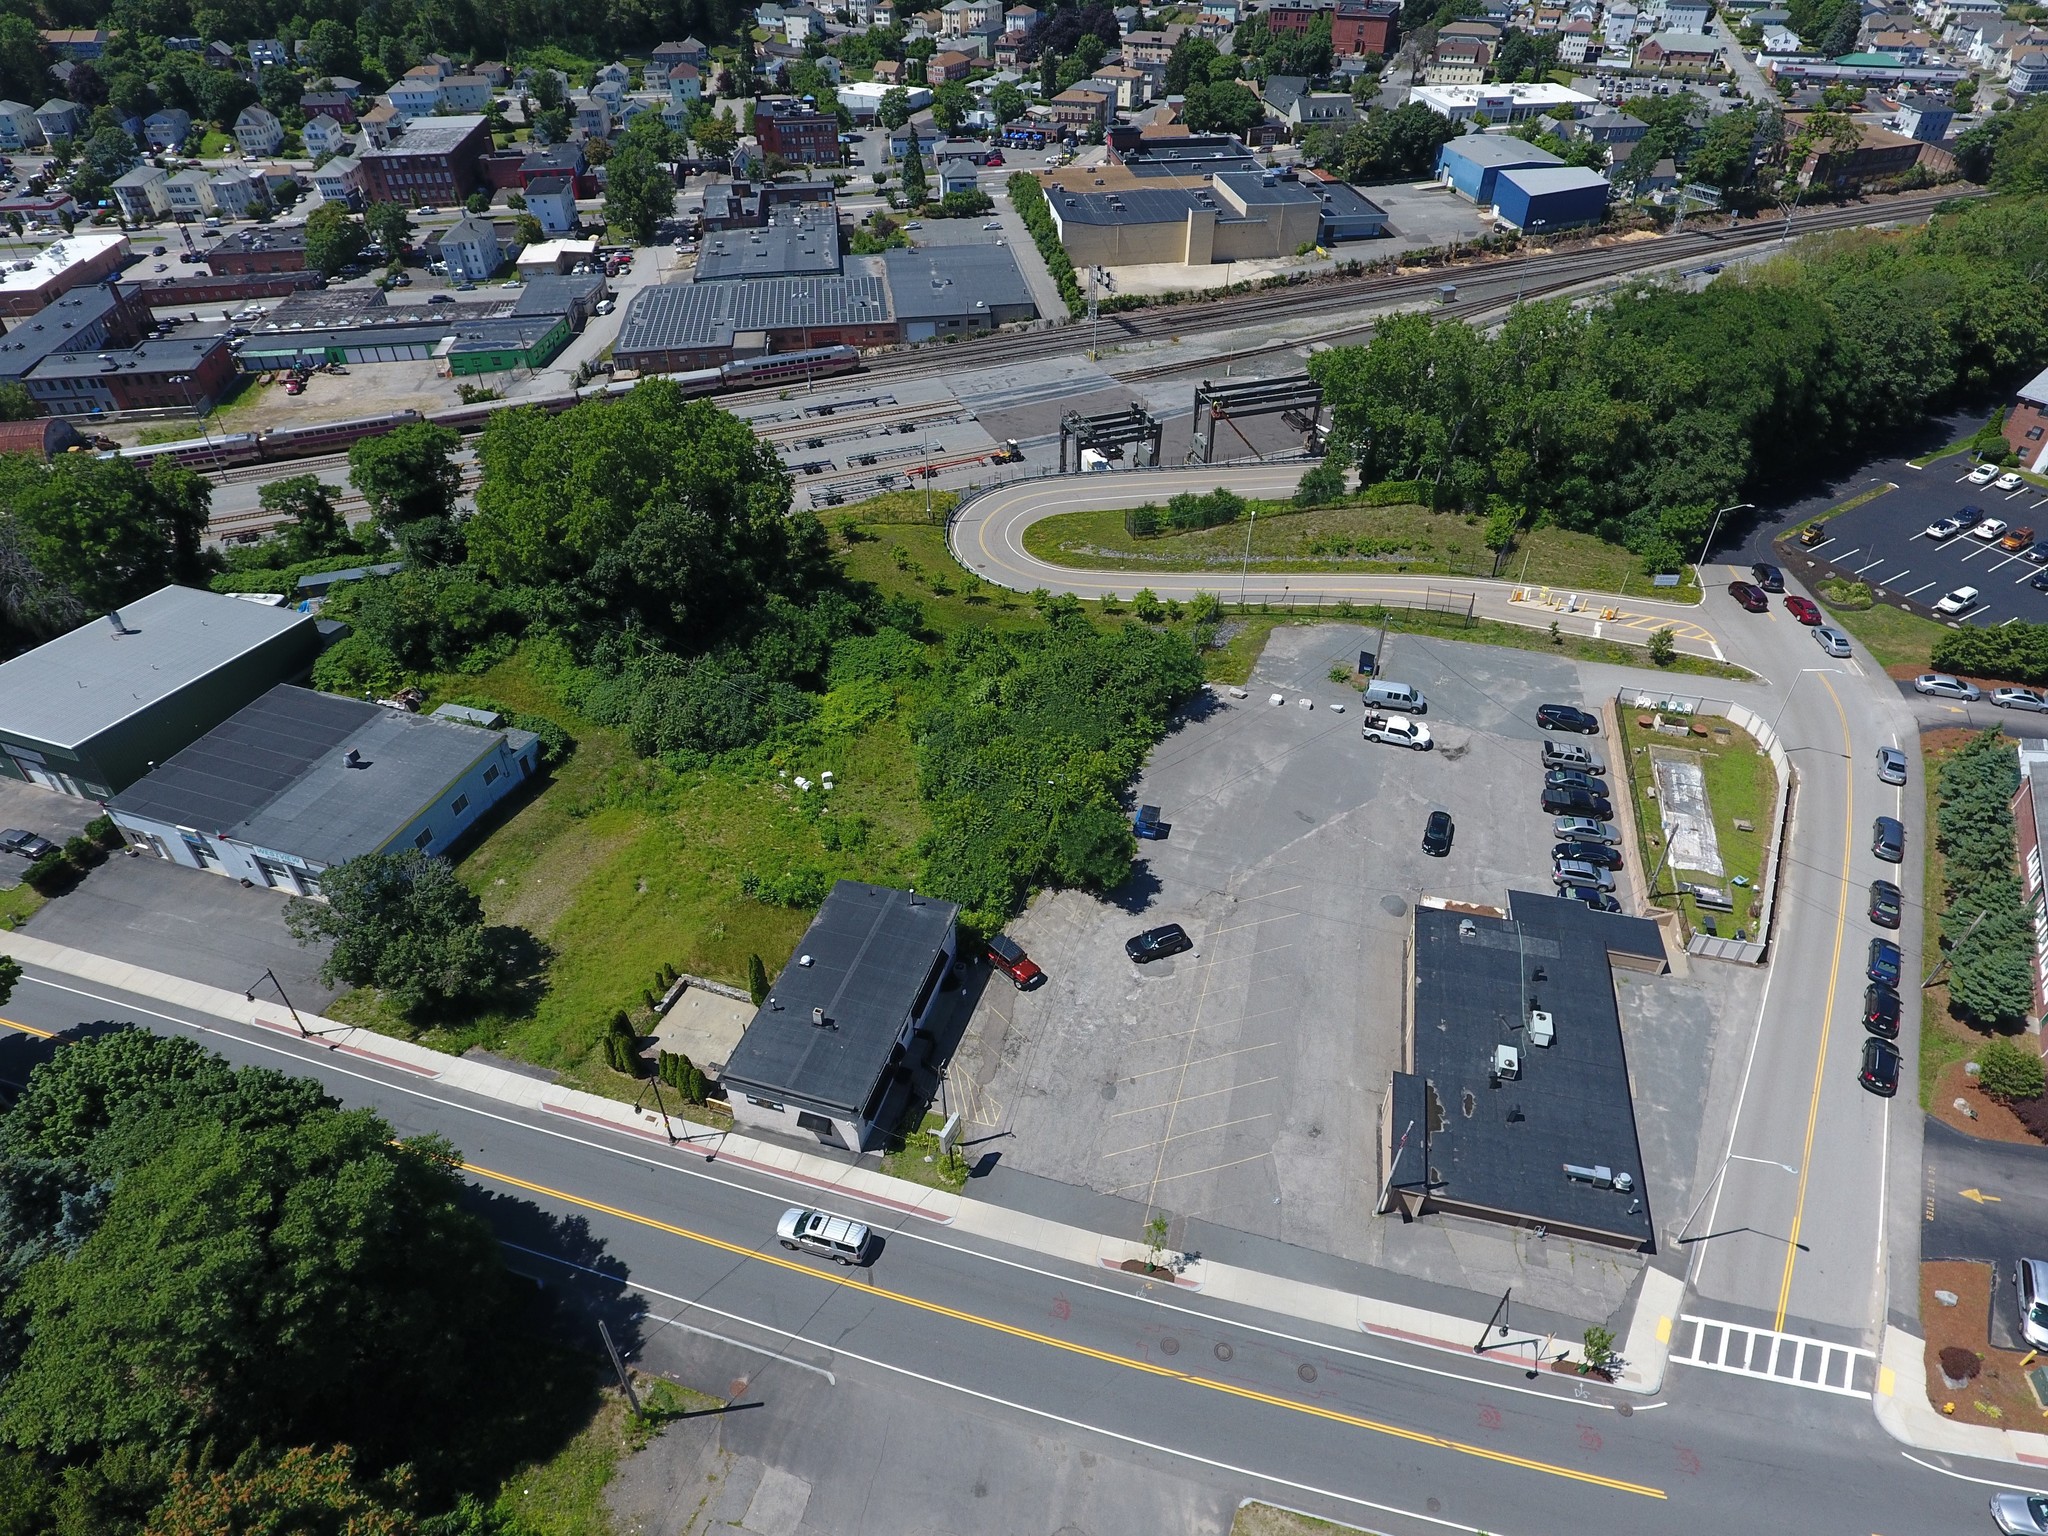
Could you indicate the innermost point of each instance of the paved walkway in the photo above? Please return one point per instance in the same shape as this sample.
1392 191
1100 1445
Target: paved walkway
1645 1348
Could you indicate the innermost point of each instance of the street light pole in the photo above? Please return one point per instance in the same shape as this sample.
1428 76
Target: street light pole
1714 1183
1245 573
1740 506
250 993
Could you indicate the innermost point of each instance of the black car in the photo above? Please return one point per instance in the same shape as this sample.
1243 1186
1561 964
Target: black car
1564 717
27 844
1888 839
1564 800
1880 1072
1884 962
1599 855
1885 903
1599 901
1574 778
1881 1010
1158 943
1437 833
1750 597
1769 577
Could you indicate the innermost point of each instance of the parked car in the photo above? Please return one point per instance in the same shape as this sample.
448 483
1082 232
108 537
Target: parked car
2040 581
1748 596
1947 527
1008 956
1437 833
1158 943
2017 539
1833 641
1983 474
1599 901
2019 698
1804 609
1888 839
1881 1010
838 1238
2007 482
1604 855
2032 1280
1574 778
1891 765
1886 903
2037 552
27 844
2016 1512
1769 577
439 298
427 211
1579 829
1883 962
1565 717
1147 825
1560 801
1568 873
1880 1072
1990 530
1943 686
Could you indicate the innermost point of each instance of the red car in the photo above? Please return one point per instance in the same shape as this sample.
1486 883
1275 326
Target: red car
1007 956
1803 609
1750 597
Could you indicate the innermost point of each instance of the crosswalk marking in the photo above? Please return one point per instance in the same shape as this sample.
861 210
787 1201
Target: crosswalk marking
1787 1358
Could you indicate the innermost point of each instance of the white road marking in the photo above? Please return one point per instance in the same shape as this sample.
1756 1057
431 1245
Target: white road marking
1983 1482
1872 566
1714 1341
1918 590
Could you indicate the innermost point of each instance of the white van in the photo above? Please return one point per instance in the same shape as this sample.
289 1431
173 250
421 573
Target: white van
1389 695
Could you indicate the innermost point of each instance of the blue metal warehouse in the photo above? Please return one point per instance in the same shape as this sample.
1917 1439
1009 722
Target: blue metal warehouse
1544 198
1470 165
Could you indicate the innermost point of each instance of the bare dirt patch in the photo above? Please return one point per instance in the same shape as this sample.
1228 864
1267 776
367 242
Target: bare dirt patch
1992 1121
1999 1395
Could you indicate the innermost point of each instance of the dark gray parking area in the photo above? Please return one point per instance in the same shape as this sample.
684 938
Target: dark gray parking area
43 812
206 928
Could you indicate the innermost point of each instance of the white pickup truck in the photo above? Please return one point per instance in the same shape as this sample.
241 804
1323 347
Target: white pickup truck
1398 731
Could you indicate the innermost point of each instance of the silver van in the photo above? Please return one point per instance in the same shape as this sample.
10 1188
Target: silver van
1569 754
1575 874
1382 694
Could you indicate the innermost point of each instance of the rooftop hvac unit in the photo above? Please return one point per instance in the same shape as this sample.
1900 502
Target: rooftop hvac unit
1507 1061
1541 1031
1600 1177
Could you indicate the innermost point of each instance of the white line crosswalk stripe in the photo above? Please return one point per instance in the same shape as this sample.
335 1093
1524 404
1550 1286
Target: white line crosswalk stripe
1786 1358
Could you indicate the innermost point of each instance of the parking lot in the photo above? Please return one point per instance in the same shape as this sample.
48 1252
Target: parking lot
1884 543
1238 1087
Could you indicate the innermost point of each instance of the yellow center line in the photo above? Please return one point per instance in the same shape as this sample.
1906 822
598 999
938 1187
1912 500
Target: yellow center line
1146 1368
1827 1012
30 1029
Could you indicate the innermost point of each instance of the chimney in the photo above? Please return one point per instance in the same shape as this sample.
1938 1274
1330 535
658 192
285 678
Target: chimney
114 622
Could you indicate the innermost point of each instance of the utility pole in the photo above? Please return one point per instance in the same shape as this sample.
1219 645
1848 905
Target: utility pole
1094 317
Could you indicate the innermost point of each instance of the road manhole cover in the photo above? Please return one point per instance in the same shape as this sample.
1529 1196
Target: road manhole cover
1305 1372
1169 1346
1109 1090
1224 1352
1434 1505
1394 906
1626 1410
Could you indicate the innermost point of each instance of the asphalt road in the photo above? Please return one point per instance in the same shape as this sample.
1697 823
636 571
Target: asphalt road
1409 1440
2004 1216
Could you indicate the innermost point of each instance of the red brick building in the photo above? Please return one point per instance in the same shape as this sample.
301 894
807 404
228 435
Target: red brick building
2026 423
266 248
1357 27
795 132
433 160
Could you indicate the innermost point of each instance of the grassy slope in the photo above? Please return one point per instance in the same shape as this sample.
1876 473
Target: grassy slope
1741 786
1284 540
1894 637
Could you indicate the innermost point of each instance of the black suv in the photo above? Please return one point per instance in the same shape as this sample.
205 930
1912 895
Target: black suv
1564 717
1880 1072
1885 903
1881 1010
1884 962
1564 800
1599 855
1158 943
1888 839
1769 577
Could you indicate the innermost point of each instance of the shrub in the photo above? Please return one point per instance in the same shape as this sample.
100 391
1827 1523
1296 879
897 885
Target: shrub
1663 647
101 829
683 1075
84 852
1028 198
2007 1071
50 874
757 980
1142 522
1321 485
622 1045
2017 652
1959 1364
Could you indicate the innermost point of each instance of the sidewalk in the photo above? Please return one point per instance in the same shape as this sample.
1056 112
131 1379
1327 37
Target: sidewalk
1646 1349
1907 1415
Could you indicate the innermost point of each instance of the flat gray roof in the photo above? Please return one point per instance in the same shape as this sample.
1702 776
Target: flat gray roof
1499 149
148 356
273 774
943 281
674 316
53 328
1538 179
1166 205
872 951
70 689
1253 187
798 244
428 136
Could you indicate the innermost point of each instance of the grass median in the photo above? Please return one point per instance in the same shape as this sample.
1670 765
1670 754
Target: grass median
1741 787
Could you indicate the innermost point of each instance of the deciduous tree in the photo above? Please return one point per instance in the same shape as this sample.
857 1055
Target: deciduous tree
403 923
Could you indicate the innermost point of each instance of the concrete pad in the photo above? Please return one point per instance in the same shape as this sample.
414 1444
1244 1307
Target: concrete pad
705 1027
778 1504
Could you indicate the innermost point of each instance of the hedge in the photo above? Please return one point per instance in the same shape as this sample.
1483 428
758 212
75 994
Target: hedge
2016 652
1028 198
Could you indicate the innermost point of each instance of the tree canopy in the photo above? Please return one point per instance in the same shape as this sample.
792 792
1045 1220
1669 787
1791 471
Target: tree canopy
403 923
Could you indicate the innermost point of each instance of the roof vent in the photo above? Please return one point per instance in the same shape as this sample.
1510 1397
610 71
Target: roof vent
351 758
115 622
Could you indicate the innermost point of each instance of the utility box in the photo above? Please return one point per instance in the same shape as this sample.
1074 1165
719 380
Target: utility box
1507 1062
1541 1031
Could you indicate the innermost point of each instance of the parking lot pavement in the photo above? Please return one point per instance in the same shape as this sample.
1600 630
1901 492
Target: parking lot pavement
43 812
1238 1086
155 914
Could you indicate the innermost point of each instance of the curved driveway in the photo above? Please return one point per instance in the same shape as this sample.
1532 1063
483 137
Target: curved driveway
987 537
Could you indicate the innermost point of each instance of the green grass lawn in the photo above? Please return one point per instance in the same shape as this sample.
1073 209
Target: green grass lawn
1894 637
215 142
1399 540
564 1495
1741 786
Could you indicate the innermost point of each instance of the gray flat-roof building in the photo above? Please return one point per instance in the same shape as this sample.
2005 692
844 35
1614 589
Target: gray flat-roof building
1513 1104
675 327
297 782
801 242
944 290
89 712
827 1052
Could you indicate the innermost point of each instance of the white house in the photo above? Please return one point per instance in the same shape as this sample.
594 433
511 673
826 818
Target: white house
142 195
341 180
617 74
18 126
267 53
191 194
1781 40
59 119
593 118
2029 75
167 129
415 97
685 85
551 199
258 131
463 93
1618 26
471 250
237 194
324 136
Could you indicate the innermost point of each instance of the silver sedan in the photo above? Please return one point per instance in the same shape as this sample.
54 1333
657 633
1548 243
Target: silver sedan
2019 698
2019 1514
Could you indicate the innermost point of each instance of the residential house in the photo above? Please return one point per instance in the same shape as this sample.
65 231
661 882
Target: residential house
590 117
949 65
76 43
1618 26
667 55
1548 18
1148 48
1458 61
1683 16
343 86
983 14
2029 75
1925 119
558 160
1577 44
1022 18
889 72
190 194
551 199
1289 98
612 94
381 124
1678 50
615 73
1080 110
1133 87
18 126
953 18
1878 155
323 136
341 180
1617 131
796 132
685 85
418 94
217 55
60 119
801 23
334 104
883 13
463 93
471 250
492 73
1219 18
957 175
237 194
141 194
1780 41
268 53
258 131
2026 433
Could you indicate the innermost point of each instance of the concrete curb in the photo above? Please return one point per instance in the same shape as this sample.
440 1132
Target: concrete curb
1909 1417
1646 1347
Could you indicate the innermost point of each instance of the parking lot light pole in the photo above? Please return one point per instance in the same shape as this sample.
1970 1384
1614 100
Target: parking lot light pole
1740 506
250 993
1244 574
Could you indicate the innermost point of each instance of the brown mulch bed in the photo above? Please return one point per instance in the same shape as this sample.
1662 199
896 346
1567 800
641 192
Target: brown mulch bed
1999 1396
1994 1122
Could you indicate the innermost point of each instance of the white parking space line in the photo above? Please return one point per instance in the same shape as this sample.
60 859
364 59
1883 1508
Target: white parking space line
2023 579
1823 544
1872 566
1896 576
1851 550
1917 590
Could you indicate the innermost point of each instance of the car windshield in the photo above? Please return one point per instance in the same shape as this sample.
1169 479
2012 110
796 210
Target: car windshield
2038 1314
